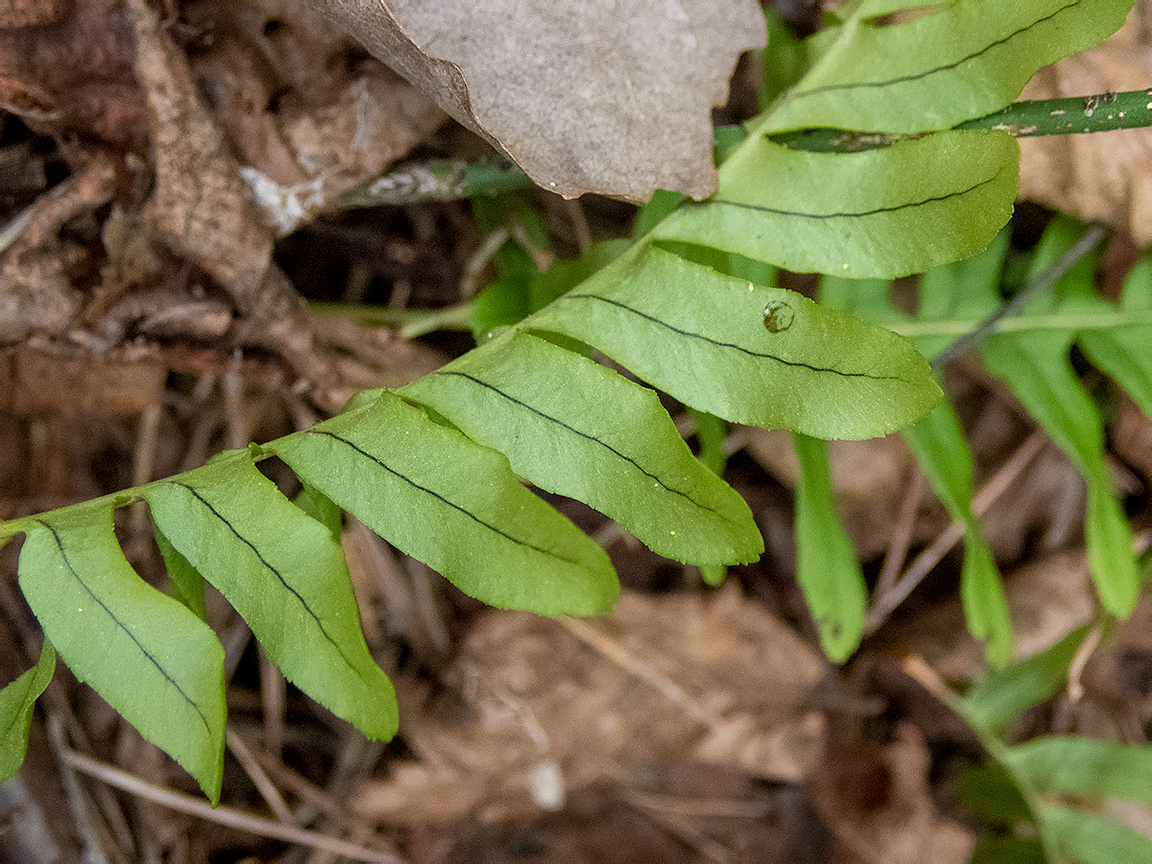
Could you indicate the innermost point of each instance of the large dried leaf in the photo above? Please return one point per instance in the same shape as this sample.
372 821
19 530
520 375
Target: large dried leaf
1103 177
586 97
669 679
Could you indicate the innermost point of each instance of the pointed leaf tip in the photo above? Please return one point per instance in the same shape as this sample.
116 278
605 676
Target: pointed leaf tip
150 658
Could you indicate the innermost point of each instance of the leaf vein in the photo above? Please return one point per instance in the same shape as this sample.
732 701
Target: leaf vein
587 436
122 626
442 499
903 79
892 209
759 354
275 572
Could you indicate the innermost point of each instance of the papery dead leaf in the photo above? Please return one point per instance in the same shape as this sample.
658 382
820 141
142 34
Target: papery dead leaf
1103 176
667 678
36 292
199 208
878 804
309 115
612 98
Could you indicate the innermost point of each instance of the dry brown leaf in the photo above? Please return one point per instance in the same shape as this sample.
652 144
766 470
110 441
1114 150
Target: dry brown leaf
36 291
1102 176
667 678
199 208
310 117
877 802
610 97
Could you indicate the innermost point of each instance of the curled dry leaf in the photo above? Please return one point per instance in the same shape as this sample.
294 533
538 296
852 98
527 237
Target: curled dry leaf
1096 177
309 114
666 679
612 97
66 68
199 208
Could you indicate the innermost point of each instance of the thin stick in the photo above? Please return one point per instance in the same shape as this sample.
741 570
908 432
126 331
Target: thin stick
689 834
901 534
312 794
996 486
82 814
274 702
221 815
262 781
144 463
579 224
1080 661
633 664
478 260
1043 282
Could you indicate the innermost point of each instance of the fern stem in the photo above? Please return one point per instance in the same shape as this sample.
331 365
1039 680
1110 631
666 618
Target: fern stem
1103 112
1043 282
454 179
436 180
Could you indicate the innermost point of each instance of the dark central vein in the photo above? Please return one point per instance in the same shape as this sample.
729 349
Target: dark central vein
122 626
799 364
275 572
942 68
583 435
892 209
462 510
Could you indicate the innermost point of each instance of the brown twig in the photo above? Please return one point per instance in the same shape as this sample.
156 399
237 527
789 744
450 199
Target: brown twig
229 816
997 485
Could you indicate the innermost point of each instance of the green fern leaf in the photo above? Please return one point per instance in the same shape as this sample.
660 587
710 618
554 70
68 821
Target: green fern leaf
149 657
455 505
1123 350
946 460
1075 835
956 62
596 437
187 585
763 356
285 574
826 565
16 703
881 213
1037 366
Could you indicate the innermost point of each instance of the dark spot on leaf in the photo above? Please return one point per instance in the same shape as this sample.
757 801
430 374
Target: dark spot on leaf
777 316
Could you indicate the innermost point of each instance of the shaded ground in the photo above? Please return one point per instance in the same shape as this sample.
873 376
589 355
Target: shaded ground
144 330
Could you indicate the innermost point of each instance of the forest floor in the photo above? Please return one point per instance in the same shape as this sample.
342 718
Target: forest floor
695 724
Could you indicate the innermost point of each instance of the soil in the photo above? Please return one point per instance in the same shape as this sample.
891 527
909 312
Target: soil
176 214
